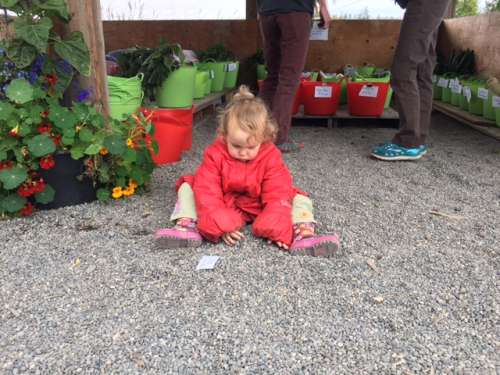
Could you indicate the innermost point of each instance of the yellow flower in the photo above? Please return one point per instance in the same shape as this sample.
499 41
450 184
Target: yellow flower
117 192
132 184
128 191
104 151
78 128
130 143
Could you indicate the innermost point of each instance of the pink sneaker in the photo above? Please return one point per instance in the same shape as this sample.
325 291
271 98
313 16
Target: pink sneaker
183 234
307 243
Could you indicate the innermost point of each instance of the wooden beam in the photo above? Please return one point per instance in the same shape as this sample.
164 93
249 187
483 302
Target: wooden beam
86 17
251 10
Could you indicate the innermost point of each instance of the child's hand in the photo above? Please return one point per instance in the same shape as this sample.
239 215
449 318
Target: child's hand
280 244
231 238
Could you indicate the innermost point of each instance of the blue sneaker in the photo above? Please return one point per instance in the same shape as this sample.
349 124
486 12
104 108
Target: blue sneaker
392 151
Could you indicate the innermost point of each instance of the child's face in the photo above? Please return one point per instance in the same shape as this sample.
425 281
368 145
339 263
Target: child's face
240 144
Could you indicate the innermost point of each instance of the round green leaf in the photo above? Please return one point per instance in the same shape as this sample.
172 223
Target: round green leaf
68 141
62 117
130 156
13 177
46 196
20 91
77 152
85 135
115 145
93 149
41 145
5 110
12 203
103 194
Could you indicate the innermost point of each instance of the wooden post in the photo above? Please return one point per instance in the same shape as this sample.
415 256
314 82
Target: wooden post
251 10
86 17
450 13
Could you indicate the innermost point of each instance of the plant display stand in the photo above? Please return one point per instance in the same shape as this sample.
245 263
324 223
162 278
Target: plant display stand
212 100
343 114
479 123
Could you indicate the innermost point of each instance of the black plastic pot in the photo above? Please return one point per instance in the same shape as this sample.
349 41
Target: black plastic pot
66 180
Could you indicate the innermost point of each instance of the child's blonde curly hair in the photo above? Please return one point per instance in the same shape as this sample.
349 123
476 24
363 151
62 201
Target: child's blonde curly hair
250 114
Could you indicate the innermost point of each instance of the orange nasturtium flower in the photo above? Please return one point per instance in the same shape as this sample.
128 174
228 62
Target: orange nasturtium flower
132 184
104 151
117 192
130 143
128 191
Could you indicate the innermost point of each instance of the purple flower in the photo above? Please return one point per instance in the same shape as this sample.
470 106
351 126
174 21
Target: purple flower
64 67
83 95
9 65
38 64
32 77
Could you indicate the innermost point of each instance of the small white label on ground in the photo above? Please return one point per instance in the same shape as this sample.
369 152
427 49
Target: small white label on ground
207 262
231 67
496 102
323 91
443 82
467 93
369 91
483 93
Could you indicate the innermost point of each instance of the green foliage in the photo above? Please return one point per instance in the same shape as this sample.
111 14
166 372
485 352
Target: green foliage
466 8
162 61
131 60
461 63
34 124
217 52
257 58
493 6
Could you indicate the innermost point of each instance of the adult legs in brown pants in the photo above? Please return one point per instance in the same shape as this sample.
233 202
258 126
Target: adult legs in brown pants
412 69
286 40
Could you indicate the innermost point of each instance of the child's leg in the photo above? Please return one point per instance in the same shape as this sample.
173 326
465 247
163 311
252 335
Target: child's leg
184 233
185 206
305 241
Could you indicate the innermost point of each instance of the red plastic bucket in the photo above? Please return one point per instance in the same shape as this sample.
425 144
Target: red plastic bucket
173 133
297 100
320 98
366 98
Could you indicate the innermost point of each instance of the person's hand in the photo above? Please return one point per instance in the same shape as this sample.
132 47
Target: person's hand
281 245
326 19
231 238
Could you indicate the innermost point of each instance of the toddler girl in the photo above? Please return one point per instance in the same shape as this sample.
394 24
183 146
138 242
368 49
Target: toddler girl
243 179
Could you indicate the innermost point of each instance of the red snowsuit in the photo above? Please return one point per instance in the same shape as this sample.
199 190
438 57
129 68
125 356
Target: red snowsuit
230 193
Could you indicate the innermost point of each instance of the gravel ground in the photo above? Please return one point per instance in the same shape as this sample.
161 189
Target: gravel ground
82 290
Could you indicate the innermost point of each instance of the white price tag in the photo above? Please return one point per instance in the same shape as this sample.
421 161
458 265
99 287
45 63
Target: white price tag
231 67
212 74
323 91
483 93
496 102
467 93
443 82
453 83
457 89
369 91
434 78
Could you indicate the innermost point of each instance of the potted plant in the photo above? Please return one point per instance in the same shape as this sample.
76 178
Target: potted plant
39 133
257 59
220 58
